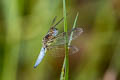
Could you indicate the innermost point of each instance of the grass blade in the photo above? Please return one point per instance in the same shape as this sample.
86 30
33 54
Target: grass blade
65 68
73 28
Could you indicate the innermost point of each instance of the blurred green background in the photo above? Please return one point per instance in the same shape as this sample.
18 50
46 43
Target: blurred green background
23 24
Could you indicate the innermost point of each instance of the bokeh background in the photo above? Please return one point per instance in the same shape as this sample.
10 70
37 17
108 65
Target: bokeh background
23 24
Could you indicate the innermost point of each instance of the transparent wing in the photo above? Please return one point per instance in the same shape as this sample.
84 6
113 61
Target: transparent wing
76 32
59 40
59 51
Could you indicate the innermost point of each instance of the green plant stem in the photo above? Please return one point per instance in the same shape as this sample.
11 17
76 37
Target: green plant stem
62 77
66 67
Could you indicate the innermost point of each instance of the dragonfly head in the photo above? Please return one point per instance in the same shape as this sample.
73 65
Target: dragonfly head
53 31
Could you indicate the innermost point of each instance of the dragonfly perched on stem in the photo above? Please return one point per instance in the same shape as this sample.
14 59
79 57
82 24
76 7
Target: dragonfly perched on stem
53 40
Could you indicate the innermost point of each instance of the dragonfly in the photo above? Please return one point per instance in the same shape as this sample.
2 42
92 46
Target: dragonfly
53 40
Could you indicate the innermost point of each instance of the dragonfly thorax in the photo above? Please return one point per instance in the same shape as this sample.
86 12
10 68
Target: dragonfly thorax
52 33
